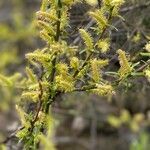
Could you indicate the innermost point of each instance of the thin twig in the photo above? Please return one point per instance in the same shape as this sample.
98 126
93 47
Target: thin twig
39 106
138 6
141 68
11 136
51 98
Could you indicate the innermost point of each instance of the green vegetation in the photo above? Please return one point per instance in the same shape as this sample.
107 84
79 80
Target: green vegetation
142 143
62 68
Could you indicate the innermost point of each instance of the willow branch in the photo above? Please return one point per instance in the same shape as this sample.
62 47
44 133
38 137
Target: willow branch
141 68
58 30
91 53
11 136
38 108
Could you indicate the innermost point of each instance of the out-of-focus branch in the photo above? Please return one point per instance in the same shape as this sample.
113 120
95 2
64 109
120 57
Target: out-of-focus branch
138 6
11 136
141 68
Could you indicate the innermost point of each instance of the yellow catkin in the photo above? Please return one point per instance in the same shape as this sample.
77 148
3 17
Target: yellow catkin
95 70
87 39
125 67
44 35
64 83
62 68
96 65
44 5
74 63
31 75
43 25
147 46
103 90
117 2
38 56
103 45
92 2
32 95
44 16
99 16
